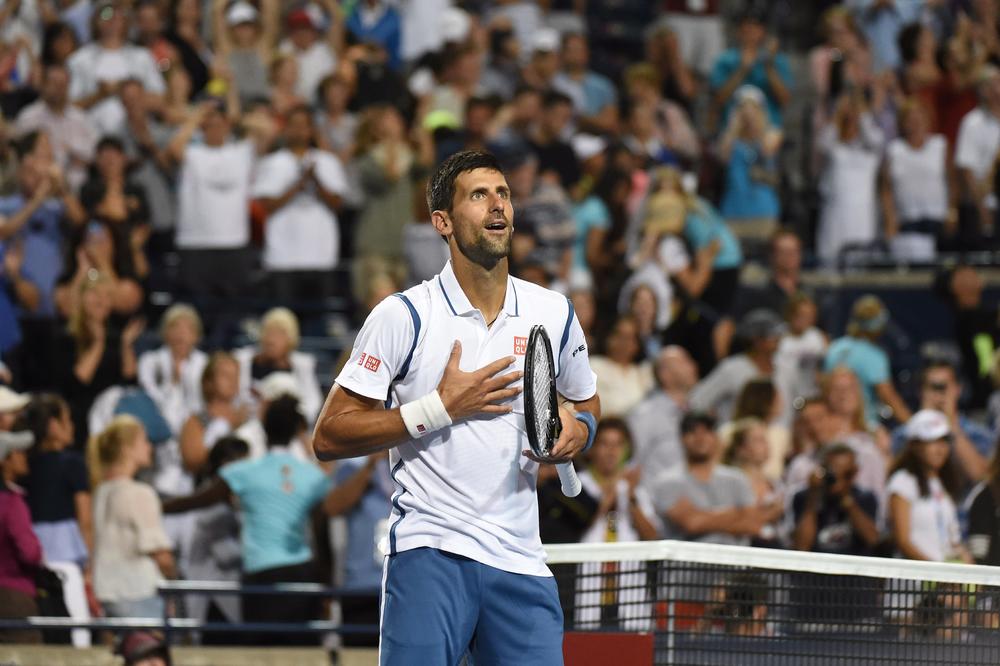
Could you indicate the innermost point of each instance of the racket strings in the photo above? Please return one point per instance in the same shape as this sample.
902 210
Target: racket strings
541 394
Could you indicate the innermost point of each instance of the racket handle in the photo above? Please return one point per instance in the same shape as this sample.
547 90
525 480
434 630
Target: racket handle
571 486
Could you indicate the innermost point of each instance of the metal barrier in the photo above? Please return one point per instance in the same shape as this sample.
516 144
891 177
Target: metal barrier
170 626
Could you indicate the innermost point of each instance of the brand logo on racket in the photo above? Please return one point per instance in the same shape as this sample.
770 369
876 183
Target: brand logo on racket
520 345
370 363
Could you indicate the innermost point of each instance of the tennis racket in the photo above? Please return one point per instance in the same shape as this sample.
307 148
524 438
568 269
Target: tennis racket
541 406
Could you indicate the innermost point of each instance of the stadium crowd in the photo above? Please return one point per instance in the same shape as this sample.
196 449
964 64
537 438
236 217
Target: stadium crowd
170 167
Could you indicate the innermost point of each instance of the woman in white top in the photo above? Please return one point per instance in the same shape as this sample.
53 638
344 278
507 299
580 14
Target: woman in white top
851 147
801 351
922 491
132 553
624 513
915 203
171 374
623 378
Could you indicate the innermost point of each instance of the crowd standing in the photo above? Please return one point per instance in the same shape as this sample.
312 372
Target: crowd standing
169 169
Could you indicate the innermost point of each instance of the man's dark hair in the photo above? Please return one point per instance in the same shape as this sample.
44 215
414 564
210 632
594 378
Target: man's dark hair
936 364
555 98
616 423
283 421
441 186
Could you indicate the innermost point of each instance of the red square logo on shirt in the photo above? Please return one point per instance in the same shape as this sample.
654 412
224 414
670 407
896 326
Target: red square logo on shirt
520 346
372 363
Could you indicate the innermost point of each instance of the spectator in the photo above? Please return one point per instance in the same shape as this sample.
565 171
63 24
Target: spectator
976 328
702 500
718 391
58 490
502 70
882 22
300 188
315 52
171 374
458 73
755 60
851 149
750 451
222 413
956 94
983 509
20 551
142 648
759 401
922 491
94 353
362 493
478 118
283 79
11 404
658 127
858 352
665 52
595 99
920 72
784 279
98 68
132 553
389 166
915 201
60 40
843 60
750 148
184 23
698 31
623 377
70 131
244 44
834 515
655 422
543 57
644 309
336 127
973 443
277 352
213 200
801 351
378 22
95 249
975 152
555 156
276 494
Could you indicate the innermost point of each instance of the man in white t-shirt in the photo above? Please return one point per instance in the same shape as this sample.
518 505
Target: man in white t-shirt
97 70
976 148
300 188
465 569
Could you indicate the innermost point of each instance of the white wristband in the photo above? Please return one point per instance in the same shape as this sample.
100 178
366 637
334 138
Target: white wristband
425 415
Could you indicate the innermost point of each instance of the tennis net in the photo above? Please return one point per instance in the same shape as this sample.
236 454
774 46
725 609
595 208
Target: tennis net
708 604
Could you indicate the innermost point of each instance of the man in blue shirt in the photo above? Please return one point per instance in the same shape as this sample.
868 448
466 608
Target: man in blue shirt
595 99
755 60
362 495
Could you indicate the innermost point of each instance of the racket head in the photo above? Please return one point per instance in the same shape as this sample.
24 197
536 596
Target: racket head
541 406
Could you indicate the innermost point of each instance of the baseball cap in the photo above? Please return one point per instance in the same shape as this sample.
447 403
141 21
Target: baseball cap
15 441
761 323
928 425
455 24
749 93
300 18
586 146
241 12
545 40
11 401
695 418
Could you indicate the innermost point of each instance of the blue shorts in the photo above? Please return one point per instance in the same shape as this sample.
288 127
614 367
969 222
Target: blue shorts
436 607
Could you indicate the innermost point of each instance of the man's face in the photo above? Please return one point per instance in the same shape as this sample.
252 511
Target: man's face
786 255
816 419
556 117
482 218
700 444
750 34
574 53
940 390
55 89
215 127
675 370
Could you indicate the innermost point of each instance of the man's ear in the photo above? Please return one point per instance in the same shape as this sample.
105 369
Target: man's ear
442 222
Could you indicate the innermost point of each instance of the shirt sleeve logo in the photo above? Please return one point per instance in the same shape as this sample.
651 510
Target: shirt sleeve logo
520 346
369 362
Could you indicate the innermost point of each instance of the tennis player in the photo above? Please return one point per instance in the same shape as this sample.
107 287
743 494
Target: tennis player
435 378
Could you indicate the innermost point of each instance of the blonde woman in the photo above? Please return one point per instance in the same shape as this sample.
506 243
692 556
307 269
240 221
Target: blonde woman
276 351
171 374
750 148
132 553
95 354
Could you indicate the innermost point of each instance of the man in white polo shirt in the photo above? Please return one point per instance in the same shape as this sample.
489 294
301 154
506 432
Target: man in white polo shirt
434 377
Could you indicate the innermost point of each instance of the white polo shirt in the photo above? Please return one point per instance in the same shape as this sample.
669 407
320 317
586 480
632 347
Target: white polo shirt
466 489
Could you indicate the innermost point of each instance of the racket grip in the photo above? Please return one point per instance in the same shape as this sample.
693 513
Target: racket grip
571 486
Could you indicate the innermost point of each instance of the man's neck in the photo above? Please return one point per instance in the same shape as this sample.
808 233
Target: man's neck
787 280
55 107
678 395
701 470
575 73
486 288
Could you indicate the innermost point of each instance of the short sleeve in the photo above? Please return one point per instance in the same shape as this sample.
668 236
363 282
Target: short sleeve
966 150
380 350
903 484
878 368
152 80
575 381
234 474
330 173
744 495
346 469
721 71
148 521
76 474
272 178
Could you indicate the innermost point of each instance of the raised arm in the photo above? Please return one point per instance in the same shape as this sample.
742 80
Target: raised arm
220 31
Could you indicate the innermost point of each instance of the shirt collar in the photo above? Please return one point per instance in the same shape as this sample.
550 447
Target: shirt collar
459 303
